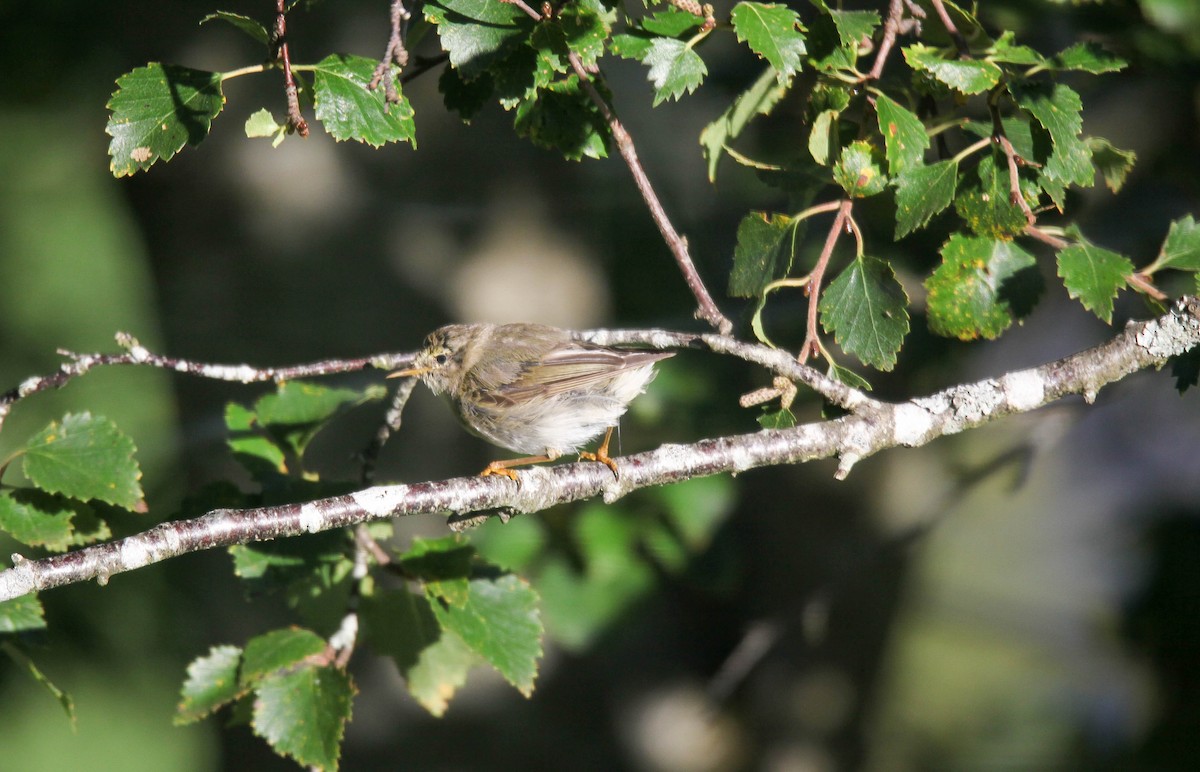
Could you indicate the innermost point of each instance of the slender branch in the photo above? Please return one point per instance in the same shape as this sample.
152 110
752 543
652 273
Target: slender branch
295 121
812 344
960 42
471 500
395 53
137 354
891 27
706 308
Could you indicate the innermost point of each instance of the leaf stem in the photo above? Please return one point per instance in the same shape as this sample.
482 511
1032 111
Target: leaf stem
972 148
251 70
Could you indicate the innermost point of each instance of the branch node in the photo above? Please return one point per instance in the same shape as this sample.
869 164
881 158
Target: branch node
846 462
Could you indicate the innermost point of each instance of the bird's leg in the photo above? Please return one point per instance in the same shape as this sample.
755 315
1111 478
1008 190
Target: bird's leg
601 454
503 467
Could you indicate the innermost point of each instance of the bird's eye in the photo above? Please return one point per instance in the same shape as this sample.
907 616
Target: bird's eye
441 359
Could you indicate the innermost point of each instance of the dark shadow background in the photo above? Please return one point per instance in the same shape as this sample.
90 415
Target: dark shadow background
1021 597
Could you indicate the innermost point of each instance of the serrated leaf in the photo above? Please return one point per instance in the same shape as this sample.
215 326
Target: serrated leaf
847 376
477 33
1087 57
986 206
967 76
573 29
980 287
903 133
259 454
500 622
852 26
278 650
303 713
349 111
675 69
1006 51
85 458
156 110
1057 108
773 32
762 255
759 99
865 309
857 171
631 45
40 519
441 669
563 118
24 662
1113 163
262 124
22 614
305 402
922 192
1181 249
671 22
251 27
212 681
443 565
1093 275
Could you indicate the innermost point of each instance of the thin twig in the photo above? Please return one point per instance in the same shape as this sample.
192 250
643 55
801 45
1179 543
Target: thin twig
295 121
812 343
706 308
891 27
851 438
395 53
960 42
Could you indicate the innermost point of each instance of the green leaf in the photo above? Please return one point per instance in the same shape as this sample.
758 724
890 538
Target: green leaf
1057 108
251 27
864 308
500 622
903 133
762 254
441 669
465 97
37 518
348 110
675 69
261 125
85 458
573 29
847 376
156 110
1093 276
443 565
23 661
776 418
305 402
922 192
823 138
1181 249
1088 57
278 650
562 117
303 713
853 27
773 32
671 22
967 76
212 681
259 454
857 171
477 33
22 614
981 285
986 205
759 99
1006 51
1113 162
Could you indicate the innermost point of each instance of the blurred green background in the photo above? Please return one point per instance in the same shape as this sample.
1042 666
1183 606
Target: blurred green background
1026 596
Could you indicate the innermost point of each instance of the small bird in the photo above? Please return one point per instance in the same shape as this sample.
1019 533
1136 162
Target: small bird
532 388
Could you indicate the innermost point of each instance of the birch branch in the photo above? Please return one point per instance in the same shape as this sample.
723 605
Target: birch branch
872 427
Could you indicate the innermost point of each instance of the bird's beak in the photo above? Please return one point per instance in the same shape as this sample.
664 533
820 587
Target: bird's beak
409 372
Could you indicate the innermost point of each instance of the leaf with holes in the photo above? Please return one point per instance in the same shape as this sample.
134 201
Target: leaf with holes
865 309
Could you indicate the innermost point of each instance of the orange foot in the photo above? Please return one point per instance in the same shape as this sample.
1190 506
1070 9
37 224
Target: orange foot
602 456
504 466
